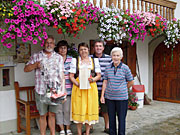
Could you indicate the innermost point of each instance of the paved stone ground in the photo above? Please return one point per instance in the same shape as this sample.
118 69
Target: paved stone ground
159 118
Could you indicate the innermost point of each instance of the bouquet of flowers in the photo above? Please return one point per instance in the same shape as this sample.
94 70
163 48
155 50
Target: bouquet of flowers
110 22
132 100
28 23
172 33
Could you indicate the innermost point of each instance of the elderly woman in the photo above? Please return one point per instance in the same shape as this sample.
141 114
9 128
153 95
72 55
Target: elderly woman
117 80
84 102
63 113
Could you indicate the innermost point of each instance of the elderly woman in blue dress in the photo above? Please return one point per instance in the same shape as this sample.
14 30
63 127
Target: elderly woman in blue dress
117 79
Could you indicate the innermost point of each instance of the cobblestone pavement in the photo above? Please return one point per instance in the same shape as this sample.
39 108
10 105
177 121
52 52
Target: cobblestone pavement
159 118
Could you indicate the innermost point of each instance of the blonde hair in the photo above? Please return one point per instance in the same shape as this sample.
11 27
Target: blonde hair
117 49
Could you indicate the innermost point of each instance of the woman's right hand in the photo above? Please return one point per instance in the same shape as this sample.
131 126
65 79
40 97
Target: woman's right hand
102 99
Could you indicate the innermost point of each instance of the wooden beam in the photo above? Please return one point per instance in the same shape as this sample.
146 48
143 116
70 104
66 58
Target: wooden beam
142 5
137 4
165 3
124 5
119 4
101 3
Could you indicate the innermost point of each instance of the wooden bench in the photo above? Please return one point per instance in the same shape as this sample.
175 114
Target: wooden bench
25 108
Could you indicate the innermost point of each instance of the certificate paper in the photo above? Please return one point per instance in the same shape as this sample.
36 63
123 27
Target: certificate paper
84 74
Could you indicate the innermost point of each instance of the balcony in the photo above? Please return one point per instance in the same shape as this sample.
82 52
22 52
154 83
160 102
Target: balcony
163 7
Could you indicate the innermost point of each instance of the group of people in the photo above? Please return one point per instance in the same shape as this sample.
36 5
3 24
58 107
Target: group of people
107 93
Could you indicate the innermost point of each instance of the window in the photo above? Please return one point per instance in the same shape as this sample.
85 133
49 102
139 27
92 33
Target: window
5 74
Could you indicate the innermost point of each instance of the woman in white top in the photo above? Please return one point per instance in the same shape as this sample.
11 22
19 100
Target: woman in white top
84 98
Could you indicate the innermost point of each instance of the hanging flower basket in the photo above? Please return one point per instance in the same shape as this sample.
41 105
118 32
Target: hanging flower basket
110 25
28 23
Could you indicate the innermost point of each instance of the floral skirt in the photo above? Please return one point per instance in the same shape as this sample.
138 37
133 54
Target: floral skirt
84 104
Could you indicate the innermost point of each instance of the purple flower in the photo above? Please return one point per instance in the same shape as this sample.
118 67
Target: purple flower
15 8
22 15
32 29
12 20
20 3
4 37
44 33
19 34
17 30
45 36
30 38
4 44
8 35
15 12
16 21
6 20
37 24
132 42
34 41
9 45
39 30
24 34
2 40
13 1
42 43
24 39
13 36
39 38
36 33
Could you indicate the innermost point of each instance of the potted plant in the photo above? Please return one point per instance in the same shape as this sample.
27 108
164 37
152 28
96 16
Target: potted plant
132 100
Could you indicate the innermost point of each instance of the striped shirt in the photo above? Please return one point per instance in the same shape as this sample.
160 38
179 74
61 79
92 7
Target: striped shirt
50 73
66 74
116 88
103 61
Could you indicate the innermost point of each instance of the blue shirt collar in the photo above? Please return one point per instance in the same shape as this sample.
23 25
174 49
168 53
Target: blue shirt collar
119 66
103 56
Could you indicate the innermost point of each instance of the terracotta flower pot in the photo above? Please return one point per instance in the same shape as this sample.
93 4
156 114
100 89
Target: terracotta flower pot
133 107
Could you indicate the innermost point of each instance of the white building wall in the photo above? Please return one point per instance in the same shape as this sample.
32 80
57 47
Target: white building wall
7 98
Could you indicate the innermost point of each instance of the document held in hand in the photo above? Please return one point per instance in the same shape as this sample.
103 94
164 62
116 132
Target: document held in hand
84 74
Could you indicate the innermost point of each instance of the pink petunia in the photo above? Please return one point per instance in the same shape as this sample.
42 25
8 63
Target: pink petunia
4 44
2 40
36 33
13 36
15 12
132 42
19 34
17 30
6 21
32 29
34 41
39 38
24 39
30 38
24 34
20 3
8 35
9 45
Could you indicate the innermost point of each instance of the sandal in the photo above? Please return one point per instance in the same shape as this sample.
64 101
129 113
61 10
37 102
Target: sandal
68 132
62 132
106 130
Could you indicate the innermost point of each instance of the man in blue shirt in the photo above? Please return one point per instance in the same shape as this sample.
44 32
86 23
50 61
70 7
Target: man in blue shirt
104 60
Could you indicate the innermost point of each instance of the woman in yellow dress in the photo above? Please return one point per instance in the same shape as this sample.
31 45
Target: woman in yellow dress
84 102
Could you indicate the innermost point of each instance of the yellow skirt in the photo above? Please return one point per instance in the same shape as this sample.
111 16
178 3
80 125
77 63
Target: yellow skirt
84 104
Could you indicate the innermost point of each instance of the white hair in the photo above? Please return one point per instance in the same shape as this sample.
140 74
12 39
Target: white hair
117 49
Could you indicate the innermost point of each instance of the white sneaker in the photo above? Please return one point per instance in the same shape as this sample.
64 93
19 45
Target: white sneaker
68 132
62 132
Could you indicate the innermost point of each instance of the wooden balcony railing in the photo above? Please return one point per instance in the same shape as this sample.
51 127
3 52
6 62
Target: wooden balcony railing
165 8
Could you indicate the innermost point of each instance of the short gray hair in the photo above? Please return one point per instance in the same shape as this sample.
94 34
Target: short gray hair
117 49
